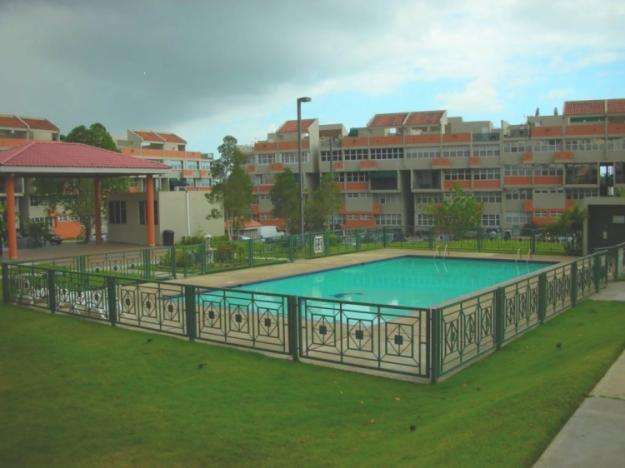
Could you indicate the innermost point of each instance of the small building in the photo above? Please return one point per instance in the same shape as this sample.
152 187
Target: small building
184 213
605 223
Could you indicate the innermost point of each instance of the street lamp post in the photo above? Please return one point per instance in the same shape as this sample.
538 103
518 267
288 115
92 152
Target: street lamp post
299 165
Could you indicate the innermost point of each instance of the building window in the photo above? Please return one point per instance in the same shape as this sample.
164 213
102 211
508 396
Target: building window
387 153
424 220
490 220
425 153
117 212
486 150
521 194
355 154
584 144
547 146
173 163
291 158
523 171
517 147
427 198
455 152
387 199
581 174
486 174
616 144
388 219
546 170
351 176
142 213
581 193
517 219
487 197
193 165
266 158
458 174
336 155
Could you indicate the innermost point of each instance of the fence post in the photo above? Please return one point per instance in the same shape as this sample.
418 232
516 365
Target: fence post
111 296
500 316
290 248
203 266
145 256
533 242
50 276
250 252
479 239
542 297
6 293
431 239
573 283
595 271
358 240
384 241
173 261
189 308
293 318
435 344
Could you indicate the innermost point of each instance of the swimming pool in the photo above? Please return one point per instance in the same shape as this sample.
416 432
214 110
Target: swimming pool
405 281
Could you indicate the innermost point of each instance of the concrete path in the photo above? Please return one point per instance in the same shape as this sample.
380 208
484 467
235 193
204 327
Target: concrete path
595 434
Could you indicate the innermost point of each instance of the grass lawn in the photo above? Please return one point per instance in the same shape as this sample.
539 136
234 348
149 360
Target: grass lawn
79 393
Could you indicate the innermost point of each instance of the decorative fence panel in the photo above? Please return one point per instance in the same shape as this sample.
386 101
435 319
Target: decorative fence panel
465 330
243 318
521 306
386 338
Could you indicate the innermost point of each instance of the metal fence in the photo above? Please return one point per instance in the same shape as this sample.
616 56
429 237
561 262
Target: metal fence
424 343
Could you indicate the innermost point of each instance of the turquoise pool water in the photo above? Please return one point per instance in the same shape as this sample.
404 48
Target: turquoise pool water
406 281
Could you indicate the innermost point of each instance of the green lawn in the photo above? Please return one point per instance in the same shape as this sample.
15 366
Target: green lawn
79 393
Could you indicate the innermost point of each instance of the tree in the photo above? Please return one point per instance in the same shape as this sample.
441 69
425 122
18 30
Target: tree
285 199
456 215
570 225
323 203
76 195
233 188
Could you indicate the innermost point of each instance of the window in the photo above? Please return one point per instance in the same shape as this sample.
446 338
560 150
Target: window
351 177
584 144
336 155
455 152
357 195
486 174
383 180
387 153
424 153
37 201
486 150
520 170
546 170
424 220
547 146
490 220
190 165
580 193
488 197
388 220
516 147
204 164
117 212
427 198
355 154
291 158
387 199
143 214
517 219
173 163
522 194
458 174
266 158
616 144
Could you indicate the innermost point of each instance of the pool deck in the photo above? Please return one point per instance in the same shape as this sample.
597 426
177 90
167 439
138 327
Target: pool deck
229 279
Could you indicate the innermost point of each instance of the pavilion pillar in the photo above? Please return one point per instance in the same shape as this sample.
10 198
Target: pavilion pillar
149 209
10 210
97 209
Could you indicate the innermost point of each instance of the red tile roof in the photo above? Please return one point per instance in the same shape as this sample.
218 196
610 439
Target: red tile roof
584 107
388 120
40 124
11 122
290 126
38 154
159 137
424 118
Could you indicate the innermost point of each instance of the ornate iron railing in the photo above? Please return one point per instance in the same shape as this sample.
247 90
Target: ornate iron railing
425 343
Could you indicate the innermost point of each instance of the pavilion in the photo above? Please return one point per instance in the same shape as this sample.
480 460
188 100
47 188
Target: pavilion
58 159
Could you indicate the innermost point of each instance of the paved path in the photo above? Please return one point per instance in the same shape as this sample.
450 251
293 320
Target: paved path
595 434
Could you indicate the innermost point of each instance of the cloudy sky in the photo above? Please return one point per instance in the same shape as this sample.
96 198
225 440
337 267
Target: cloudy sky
205 69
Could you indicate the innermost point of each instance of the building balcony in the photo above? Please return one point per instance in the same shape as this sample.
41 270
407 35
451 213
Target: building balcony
488 184
440 163
548 180
367 164
276 167
527 158
463 184
517 180
562 156
353 186
262 188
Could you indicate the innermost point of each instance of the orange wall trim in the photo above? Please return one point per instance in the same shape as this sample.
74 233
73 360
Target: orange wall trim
528 206
441 162
474 161
563 155
463 184
353 186
517 180
585 129
367 164
540 132
263 188
487 184
527 157
351 142
359 223
616 128
276 167
547 180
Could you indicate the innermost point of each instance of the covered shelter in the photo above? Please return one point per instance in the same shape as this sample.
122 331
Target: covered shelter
58 159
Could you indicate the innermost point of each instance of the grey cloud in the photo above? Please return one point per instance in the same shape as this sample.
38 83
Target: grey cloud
156 63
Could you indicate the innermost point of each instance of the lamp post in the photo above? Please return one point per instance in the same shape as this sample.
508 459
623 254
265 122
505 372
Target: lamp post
299 165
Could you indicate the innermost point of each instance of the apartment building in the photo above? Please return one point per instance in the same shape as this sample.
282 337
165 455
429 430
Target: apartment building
390 170
190 169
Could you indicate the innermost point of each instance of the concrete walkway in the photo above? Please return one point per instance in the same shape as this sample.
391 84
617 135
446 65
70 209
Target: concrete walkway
595 434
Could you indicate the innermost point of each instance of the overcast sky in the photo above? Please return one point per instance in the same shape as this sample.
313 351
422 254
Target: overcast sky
207 69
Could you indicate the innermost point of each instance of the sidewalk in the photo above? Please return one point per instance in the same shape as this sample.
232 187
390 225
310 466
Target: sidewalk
595 434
